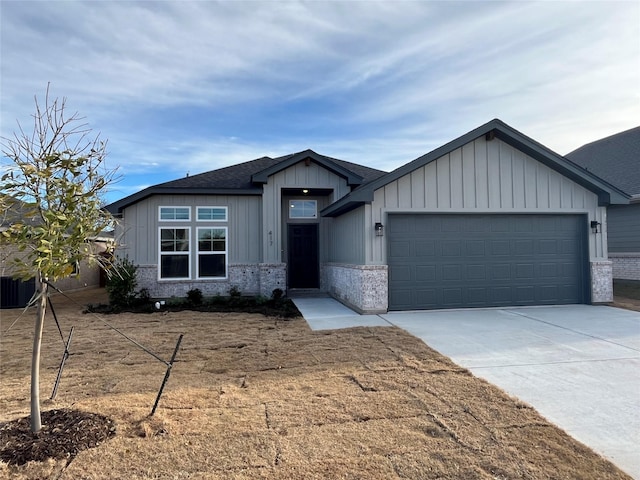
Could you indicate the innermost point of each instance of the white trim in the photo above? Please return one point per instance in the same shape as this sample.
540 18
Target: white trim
226 213
217 252
188 208
160 253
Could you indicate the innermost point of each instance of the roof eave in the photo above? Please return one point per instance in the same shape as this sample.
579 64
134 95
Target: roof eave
607 193
117 207
352 178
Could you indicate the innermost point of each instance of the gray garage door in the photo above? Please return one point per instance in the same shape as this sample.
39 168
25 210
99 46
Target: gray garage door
460 261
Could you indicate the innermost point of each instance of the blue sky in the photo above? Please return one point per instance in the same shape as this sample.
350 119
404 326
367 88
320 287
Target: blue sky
179 87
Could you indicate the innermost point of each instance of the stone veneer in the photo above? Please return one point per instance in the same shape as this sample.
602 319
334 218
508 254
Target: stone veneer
249 279
601 282
626 266
361 287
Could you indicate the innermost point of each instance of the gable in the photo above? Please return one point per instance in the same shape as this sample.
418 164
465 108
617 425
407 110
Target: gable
492 136
488 175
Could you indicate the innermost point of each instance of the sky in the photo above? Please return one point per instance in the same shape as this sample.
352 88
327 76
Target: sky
184 87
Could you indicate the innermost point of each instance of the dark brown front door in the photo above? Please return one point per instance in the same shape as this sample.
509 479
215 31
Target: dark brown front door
303 256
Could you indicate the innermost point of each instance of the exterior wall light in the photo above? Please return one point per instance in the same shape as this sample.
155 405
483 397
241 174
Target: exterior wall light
594 226
379 229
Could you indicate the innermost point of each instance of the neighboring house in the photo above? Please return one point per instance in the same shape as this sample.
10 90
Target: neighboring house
616 159
15 293
492 218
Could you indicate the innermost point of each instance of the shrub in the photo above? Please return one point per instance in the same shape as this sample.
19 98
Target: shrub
121 283
277 294
235 292
194 296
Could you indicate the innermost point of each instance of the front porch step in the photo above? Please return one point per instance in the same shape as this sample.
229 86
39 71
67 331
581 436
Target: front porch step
306 293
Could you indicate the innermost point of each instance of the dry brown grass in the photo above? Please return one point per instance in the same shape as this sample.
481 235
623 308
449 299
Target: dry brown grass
254 397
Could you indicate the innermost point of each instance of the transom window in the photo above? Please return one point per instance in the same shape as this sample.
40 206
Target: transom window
212 252
175 213
212 214
303 209
174 253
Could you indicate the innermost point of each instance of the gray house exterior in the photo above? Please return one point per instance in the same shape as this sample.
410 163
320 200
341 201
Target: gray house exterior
616 159
492 218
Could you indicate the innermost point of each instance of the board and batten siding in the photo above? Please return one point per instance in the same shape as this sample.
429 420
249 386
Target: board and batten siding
296 176
139 227
624 228
347 237
483 177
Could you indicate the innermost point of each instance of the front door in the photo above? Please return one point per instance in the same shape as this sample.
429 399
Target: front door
303 256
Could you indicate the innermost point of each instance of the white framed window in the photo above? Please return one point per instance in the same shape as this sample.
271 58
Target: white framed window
75 269
175 254
211 214
181 214
303 209
212 252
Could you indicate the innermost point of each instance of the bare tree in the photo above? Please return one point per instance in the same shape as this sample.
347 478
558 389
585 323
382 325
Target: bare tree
57 174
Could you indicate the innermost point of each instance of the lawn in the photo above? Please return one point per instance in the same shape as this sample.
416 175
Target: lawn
254 397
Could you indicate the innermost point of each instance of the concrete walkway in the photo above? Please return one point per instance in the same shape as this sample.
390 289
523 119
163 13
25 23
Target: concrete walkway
578 365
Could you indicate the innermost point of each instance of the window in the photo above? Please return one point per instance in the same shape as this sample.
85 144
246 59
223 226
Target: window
174 253
175 213
212 214
303 209
212 252
75 269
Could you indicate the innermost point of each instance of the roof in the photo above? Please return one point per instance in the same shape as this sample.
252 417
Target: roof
607 193
616 159
247 178
17 211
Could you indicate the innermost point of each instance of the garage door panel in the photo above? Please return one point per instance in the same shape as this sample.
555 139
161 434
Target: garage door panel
523 247
452 272
400 249
476 272
526 295
425 248
500 247
452 249
447 261
451 297
475 248
425 273
401 273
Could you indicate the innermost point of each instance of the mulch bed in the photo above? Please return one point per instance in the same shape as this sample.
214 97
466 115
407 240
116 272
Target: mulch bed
64 434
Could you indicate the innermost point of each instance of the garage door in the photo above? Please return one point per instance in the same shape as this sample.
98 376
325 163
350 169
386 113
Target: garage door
460 261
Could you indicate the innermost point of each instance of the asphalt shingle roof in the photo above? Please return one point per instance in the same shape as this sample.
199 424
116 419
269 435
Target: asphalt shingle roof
239 176
236 178
615 159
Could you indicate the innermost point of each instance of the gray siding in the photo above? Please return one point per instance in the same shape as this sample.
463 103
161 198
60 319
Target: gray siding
483 177
274 220
624 228
347 238
138 231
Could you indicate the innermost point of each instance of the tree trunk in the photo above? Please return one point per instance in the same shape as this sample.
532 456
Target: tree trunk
42 289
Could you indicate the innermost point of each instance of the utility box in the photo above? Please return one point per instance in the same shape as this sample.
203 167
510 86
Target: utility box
16 293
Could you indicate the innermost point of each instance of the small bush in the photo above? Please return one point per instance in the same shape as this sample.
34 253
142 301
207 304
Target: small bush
121 283
277 294
235 292
194 296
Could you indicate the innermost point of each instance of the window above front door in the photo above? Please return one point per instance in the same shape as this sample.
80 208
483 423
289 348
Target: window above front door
303 209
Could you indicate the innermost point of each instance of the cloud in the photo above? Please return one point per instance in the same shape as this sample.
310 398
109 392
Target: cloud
192 86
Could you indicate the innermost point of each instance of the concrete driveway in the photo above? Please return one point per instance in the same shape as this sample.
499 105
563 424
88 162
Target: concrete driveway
578 365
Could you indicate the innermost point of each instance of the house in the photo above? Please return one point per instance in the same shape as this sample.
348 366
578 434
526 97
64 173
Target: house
15 293
492 218
616 159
